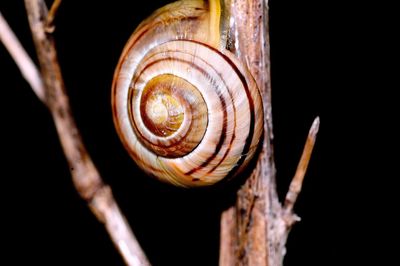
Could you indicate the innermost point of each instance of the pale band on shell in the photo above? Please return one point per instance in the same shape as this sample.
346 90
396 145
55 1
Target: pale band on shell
234 118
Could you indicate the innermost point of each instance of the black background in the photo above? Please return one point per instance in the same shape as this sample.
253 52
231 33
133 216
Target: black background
314 61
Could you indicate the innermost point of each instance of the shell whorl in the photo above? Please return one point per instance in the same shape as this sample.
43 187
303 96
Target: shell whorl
188 112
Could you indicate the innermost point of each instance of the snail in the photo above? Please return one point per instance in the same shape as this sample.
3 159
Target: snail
186 109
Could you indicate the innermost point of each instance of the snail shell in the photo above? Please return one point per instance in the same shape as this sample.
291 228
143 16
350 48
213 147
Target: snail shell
186 109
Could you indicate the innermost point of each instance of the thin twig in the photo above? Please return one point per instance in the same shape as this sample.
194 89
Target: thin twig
49 27
84 173
28 69
297 181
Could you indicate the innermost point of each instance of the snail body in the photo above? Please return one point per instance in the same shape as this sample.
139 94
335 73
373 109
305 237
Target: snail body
186 109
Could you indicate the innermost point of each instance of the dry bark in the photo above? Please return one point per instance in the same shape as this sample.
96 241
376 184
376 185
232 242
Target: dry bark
255 229
50 89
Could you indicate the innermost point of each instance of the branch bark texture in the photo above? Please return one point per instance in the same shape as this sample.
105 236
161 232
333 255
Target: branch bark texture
255 229
85 176
250 244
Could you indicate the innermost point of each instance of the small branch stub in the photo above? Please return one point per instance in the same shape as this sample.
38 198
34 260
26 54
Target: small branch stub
297 181
254 231
50 27
258 223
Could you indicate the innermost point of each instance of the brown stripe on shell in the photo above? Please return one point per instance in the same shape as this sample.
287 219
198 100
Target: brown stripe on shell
250 135
149 28
164 22
220 142
222 138
223 103
144 28
132 120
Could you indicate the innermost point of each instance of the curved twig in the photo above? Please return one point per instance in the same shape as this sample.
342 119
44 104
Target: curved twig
50 89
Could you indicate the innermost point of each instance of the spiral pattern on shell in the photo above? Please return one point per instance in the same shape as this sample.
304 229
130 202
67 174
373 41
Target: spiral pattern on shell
187 112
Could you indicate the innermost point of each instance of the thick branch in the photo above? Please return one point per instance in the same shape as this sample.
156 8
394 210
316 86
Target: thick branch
258 225
85 175
257 198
